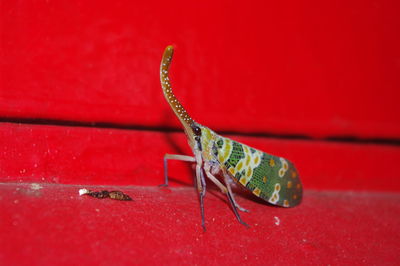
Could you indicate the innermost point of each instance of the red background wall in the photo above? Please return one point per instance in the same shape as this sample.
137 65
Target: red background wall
307 69
80 103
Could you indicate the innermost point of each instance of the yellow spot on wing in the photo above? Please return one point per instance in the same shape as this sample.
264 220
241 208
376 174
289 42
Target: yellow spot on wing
227 149
289 184
257 191
265 179
281 172
246 149
221 158
249 172
272 162
247 160
286 203
232 171
239 166
243 181
274 198
256 159
294 174
275 195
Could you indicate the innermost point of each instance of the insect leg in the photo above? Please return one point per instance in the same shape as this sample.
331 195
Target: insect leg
214 179
201 188
174 157
228 186
225 190
235 210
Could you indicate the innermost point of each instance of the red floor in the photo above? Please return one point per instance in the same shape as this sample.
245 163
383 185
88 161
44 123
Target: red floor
45 224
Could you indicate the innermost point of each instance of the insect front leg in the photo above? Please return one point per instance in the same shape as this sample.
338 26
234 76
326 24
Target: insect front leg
178 157
201 188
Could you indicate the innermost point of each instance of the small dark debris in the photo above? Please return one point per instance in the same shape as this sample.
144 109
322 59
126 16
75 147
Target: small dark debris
116 195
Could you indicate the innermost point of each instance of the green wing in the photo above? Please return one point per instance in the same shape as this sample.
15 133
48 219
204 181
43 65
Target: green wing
269 177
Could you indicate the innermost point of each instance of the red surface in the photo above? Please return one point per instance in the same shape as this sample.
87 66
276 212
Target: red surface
317 69
53 225
65 155
314 68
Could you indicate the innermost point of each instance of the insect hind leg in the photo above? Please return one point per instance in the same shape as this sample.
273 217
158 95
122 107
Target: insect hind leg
226 191
177 157
231 201
228 185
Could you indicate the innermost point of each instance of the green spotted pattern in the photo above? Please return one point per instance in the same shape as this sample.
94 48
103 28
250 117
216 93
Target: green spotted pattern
236 154
264 169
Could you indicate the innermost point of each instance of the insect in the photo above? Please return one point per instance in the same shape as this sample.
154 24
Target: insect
271 178
116 195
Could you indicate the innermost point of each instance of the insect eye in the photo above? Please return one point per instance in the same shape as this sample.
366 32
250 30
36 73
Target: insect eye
196 130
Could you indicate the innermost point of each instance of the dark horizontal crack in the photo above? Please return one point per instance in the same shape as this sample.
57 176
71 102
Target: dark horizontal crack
70 123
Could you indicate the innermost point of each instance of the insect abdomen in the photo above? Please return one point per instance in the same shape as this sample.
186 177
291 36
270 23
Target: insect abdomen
269 177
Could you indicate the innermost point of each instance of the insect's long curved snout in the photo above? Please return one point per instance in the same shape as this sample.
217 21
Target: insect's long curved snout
180 112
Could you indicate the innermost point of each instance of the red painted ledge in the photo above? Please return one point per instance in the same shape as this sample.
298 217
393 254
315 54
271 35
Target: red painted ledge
79 155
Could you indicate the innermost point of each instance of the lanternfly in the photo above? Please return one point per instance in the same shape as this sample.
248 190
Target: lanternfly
271 178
